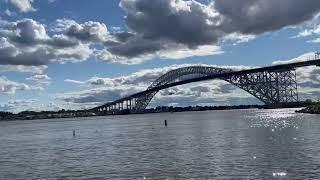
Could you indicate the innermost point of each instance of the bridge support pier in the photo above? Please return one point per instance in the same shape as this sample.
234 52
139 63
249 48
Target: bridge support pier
274 88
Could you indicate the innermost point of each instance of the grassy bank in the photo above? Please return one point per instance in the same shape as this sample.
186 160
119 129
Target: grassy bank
311 108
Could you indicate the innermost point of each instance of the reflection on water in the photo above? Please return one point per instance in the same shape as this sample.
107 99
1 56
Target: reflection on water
275 118
247 144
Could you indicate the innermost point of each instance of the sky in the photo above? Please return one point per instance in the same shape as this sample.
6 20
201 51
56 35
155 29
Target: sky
76 54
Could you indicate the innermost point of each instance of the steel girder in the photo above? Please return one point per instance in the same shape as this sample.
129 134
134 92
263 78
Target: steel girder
174 76
272 87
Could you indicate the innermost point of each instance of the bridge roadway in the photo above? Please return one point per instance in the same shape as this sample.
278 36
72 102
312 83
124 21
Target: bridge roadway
274 68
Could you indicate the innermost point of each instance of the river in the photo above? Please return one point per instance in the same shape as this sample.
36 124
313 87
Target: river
236 144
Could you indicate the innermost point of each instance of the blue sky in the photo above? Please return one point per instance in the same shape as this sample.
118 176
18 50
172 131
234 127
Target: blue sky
72 54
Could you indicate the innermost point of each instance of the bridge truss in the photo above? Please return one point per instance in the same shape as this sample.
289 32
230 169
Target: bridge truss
274 85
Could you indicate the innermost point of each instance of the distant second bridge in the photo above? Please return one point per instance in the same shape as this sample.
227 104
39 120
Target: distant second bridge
273 85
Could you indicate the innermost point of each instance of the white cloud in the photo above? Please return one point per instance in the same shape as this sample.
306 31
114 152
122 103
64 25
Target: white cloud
309 28
184 52
8 87
26 42
17 105
304 57
316 41
40 78
309 32
23 69
193 29
116 28
193 26
176 52
198 28
23 5
89 31
237 38
9 13
74 81
98 95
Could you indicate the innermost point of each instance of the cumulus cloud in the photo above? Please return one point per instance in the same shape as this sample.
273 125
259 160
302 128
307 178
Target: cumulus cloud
165 27
237 38
304 57
9 13
26 42
178 29
88 31
8 87
176 52
183 22
17 105
140 78
184 52
98 95
40 78
23 5
310 30
23 69
259 16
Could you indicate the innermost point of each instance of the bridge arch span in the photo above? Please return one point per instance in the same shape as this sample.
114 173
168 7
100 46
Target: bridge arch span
270 87
177 75
274 85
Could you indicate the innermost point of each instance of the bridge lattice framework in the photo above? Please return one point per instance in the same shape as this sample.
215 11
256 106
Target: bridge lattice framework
274 85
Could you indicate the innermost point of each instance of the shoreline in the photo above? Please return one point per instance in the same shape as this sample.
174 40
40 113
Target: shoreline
63 114
311 108
307 111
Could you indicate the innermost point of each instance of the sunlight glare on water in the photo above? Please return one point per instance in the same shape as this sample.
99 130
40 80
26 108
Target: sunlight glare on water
279 174
275 118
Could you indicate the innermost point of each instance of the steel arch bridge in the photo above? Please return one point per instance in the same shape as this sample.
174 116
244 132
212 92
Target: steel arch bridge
273 85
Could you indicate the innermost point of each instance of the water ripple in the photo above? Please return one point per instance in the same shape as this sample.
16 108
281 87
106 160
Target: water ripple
239 144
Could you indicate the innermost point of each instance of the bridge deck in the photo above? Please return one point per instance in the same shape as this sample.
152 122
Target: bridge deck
219 76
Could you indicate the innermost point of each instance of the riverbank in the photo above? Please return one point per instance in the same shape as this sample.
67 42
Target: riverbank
313 108
31 115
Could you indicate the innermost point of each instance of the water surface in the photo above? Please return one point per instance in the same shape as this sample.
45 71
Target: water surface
242 144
